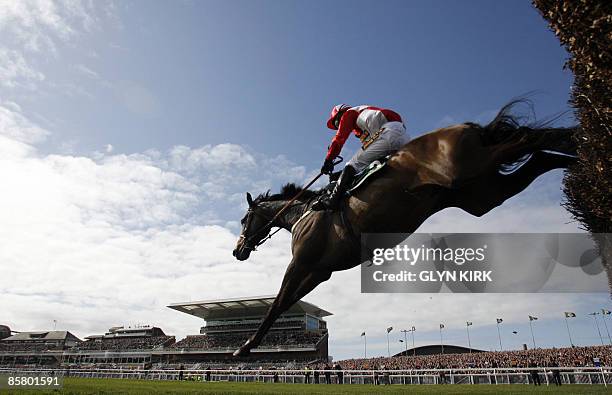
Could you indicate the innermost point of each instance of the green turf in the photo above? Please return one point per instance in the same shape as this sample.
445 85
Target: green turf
121 386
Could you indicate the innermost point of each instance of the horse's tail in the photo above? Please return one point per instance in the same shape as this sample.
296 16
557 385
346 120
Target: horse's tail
509 127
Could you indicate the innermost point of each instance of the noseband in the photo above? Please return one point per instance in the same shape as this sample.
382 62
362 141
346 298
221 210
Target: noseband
248 241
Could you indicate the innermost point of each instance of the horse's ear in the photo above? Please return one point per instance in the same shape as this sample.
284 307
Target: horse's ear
249 199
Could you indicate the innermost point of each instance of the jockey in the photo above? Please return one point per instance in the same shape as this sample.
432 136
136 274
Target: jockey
381 132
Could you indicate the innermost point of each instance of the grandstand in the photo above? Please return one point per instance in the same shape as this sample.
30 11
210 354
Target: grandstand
300 334
5 332
42 348
120 345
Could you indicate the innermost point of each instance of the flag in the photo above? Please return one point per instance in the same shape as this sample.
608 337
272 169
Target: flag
362 333
532 318
605 312
499 320
593 313
441 326
515 332
401 341
468 323
569 314
389 329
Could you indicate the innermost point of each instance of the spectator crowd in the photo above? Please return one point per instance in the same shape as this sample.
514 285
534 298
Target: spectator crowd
575 356
214 341
125 343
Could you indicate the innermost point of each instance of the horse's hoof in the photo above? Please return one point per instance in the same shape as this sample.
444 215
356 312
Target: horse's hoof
242 352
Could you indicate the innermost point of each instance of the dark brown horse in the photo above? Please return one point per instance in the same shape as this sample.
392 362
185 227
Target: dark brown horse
473 167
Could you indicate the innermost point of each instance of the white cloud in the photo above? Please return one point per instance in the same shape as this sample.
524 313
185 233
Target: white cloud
81 68
38 24
15 126
34 31
117 237
16 72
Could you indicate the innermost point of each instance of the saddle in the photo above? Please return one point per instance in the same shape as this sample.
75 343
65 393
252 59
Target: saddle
361 177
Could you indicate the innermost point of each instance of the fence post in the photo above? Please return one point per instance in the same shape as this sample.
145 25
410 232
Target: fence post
603 376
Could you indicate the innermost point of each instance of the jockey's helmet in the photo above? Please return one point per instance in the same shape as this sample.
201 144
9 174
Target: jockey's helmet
340 108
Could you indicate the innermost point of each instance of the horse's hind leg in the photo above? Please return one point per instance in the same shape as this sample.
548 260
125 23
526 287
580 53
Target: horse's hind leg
485 196
299 280
558 140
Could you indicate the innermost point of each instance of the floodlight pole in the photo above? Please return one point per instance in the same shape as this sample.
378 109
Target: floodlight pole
365 346
441 341
388 349
405 342
603 317
532 337
568 332
597 325
467 327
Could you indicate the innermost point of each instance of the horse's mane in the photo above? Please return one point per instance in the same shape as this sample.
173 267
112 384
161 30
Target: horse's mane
287 192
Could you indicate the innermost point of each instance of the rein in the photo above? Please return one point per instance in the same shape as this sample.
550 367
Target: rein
279 212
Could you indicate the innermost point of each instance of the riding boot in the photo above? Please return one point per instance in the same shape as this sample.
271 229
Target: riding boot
332 201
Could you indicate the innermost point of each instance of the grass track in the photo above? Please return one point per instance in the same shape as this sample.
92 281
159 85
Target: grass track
124 386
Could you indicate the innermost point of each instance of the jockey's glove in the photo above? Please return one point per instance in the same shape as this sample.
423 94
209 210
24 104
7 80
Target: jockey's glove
328 166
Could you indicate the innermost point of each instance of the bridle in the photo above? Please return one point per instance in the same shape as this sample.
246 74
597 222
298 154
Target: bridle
248 240
251 211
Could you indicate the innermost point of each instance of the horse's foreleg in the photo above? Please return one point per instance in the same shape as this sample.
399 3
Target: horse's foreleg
299 280
482 197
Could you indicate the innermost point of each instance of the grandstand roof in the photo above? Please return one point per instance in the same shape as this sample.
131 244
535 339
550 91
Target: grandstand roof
431 349
254 306
45 335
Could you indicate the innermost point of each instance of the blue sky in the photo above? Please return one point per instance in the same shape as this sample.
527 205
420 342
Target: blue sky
129 132
265 73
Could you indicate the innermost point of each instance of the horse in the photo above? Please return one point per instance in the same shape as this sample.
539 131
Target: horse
469 166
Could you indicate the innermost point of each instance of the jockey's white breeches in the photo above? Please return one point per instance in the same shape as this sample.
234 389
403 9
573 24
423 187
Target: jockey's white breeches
392 138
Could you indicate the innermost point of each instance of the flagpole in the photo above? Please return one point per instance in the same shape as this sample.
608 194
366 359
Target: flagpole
532 337
568 331
501 348
606 325
413 349
468 333
405 342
